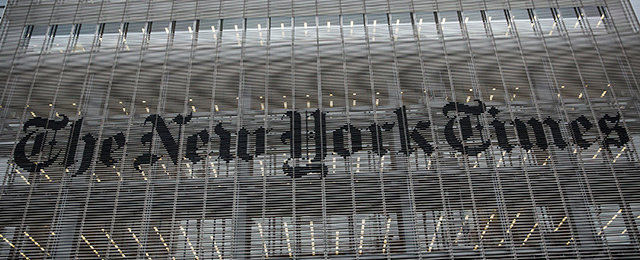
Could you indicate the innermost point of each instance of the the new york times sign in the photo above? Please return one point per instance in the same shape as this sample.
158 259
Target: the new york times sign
40 148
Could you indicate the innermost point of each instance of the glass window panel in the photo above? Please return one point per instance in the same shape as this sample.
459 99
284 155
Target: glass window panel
232 30
37 38
522 20
474 24
597 18
378 27
26 37
134 35
208 33
61 38
183 34
85 35
305 30
257 32
426 24
280 29
353 28
572 21
109 35
449 24
546 19
159 34
498 22
329 28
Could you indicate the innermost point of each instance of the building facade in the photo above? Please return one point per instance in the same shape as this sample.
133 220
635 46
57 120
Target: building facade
319 129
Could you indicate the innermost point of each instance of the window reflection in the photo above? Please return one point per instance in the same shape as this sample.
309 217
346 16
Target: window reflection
83 37
60 38
232 32
597 18
159 34
449 25
377 27
109 34
183 34
353 26
572 21
280 29
546 18
208 33
522 20
426 25
34 38
549 22
497 21
472 21
257 31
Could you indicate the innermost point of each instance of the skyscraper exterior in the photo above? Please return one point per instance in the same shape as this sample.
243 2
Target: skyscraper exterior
271 129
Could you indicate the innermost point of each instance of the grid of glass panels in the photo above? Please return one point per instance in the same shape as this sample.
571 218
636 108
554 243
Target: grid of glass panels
198 130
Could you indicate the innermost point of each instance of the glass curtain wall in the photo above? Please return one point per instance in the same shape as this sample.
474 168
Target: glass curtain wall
228 130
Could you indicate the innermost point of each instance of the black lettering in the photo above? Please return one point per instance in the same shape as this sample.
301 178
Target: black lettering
405 146
523 134
538 131
261 136
87 153
72 145
466 128
243 143
577 134
299 171
376 137
501 134
623 136
554 126
294 134
146 158
418 138
338 140
225 142
107 148
192 145
320 135
165 136
20 153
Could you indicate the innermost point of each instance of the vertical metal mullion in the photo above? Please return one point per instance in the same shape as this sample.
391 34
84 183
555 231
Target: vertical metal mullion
202 221
239 219
264 250
562 111
294 217
489 155
427 100
387 217
348 164
466 165
88 79
323 184
63 190
214 86
10 85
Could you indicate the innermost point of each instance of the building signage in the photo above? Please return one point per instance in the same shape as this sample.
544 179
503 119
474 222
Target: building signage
40 148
